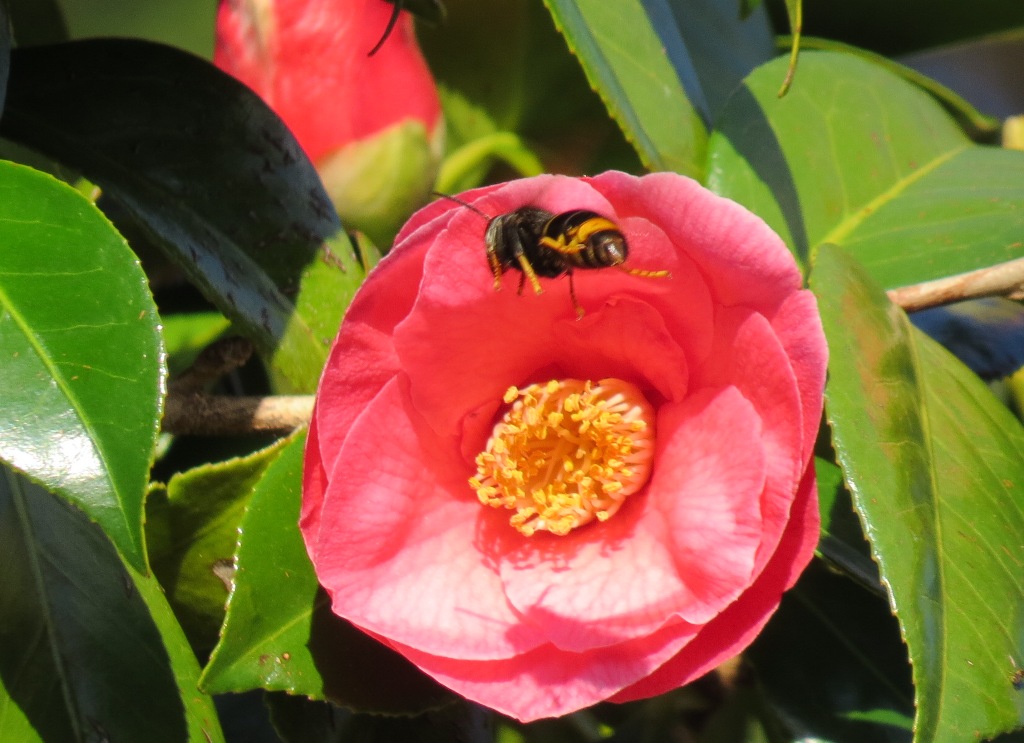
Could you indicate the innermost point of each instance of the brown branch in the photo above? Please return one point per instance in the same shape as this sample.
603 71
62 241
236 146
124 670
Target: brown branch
1003 279
192 412
198 414
217 359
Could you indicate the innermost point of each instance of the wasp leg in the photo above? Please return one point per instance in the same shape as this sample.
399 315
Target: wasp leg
645 273
572 295
522 283
495 264
561 246
528 272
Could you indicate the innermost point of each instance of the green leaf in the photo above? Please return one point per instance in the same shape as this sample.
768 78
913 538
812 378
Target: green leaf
857 156
712 45
36 21
203 165
192 529
627 63
81 364
934 463
898 26
979 126
832 665
5 53
280 633
91 650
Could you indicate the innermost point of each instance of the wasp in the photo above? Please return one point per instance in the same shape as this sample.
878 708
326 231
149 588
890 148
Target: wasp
540 243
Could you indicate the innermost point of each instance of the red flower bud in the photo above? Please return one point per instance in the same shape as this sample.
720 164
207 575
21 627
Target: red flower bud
371 124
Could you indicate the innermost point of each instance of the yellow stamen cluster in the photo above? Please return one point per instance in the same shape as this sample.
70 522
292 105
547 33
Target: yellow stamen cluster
567 452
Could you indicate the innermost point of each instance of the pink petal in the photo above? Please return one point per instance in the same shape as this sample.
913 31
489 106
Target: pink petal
314 483
733 630
468 368
798 326
396 546
695 533
744 261
363 358
548 682
749 355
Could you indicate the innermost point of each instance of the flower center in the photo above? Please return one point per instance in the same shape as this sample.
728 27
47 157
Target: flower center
566 452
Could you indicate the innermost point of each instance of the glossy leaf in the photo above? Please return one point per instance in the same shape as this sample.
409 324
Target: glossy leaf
857 156
832 665
192 529
203 165
280 633
647 87
81 364
91 650
934 463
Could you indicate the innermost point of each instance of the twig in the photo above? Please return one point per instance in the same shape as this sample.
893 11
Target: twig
192 412
217 359
198 414
1003 279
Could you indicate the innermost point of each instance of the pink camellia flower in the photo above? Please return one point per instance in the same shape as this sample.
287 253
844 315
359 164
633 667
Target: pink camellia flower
543 511
371 124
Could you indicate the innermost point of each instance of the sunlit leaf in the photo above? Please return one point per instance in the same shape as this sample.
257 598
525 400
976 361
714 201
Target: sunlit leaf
857 156
81 364
192 529
639 79
205 167
934 463
280 633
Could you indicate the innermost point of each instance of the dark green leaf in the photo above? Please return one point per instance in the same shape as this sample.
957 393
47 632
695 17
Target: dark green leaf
36 22
842 541
430 11
280 633
857 156
80 357
512 104
5 53
832 665
203 165
722 46
898 26
934 463
192 529
639 79
91 650
300 720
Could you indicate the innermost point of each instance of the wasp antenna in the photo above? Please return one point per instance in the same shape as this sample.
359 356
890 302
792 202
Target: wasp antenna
459 201
390 27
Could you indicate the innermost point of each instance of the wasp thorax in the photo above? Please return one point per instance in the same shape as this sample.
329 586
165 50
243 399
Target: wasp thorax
567 452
